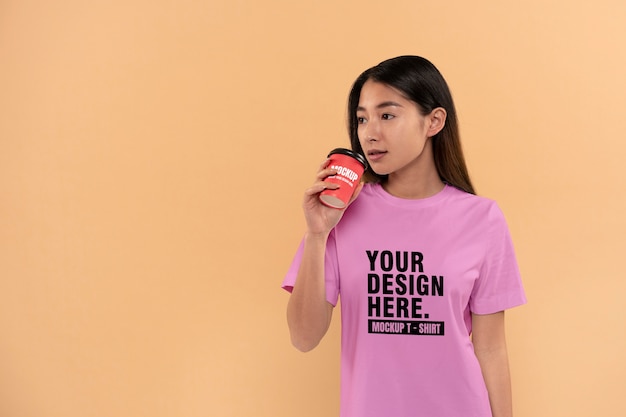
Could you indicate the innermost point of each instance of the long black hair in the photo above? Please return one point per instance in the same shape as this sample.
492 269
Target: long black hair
421 82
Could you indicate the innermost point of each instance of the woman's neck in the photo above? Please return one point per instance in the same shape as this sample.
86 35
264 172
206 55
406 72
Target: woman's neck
419 179
413 188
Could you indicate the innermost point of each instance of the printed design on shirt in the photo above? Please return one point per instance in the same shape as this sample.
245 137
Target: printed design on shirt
396 288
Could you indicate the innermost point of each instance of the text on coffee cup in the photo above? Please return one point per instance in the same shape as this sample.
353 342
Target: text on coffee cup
345 172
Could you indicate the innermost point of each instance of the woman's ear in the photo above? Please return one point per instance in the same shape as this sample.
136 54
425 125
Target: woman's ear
437 119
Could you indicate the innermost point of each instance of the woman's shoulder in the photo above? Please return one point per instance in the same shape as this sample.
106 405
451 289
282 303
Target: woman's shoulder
469 198
450 197
483 207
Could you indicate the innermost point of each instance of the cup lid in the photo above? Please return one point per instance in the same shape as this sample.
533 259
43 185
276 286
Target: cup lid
351 153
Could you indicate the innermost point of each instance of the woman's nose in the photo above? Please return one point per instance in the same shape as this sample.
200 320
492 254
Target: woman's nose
371 132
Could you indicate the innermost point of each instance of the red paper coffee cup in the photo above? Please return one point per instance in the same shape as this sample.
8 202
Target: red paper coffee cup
350 167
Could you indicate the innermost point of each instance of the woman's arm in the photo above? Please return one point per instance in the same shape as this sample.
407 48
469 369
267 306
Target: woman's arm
308 312
489 341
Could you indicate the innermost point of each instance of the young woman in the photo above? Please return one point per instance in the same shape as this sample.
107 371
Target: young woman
423 266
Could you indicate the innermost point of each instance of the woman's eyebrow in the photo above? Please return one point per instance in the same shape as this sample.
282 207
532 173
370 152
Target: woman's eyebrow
382 105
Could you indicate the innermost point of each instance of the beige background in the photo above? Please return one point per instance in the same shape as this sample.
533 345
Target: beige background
152 160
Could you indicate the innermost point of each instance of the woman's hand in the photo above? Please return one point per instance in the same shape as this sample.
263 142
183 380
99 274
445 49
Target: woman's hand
321 219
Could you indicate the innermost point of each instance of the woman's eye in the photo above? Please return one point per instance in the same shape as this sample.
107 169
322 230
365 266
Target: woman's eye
388 116
360 120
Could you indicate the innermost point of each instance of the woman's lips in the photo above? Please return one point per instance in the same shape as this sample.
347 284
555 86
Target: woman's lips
375 155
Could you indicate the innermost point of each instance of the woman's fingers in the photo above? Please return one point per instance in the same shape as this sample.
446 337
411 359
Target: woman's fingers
322 170
320 186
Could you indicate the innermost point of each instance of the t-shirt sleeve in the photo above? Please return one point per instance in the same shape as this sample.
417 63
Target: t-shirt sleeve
499 286
331 274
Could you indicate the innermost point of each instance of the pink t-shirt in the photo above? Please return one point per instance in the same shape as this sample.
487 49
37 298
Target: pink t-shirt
409 272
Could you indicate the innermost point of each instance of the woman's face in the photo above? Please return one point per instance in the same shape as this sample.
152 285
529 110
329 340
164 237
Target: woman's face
392 131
